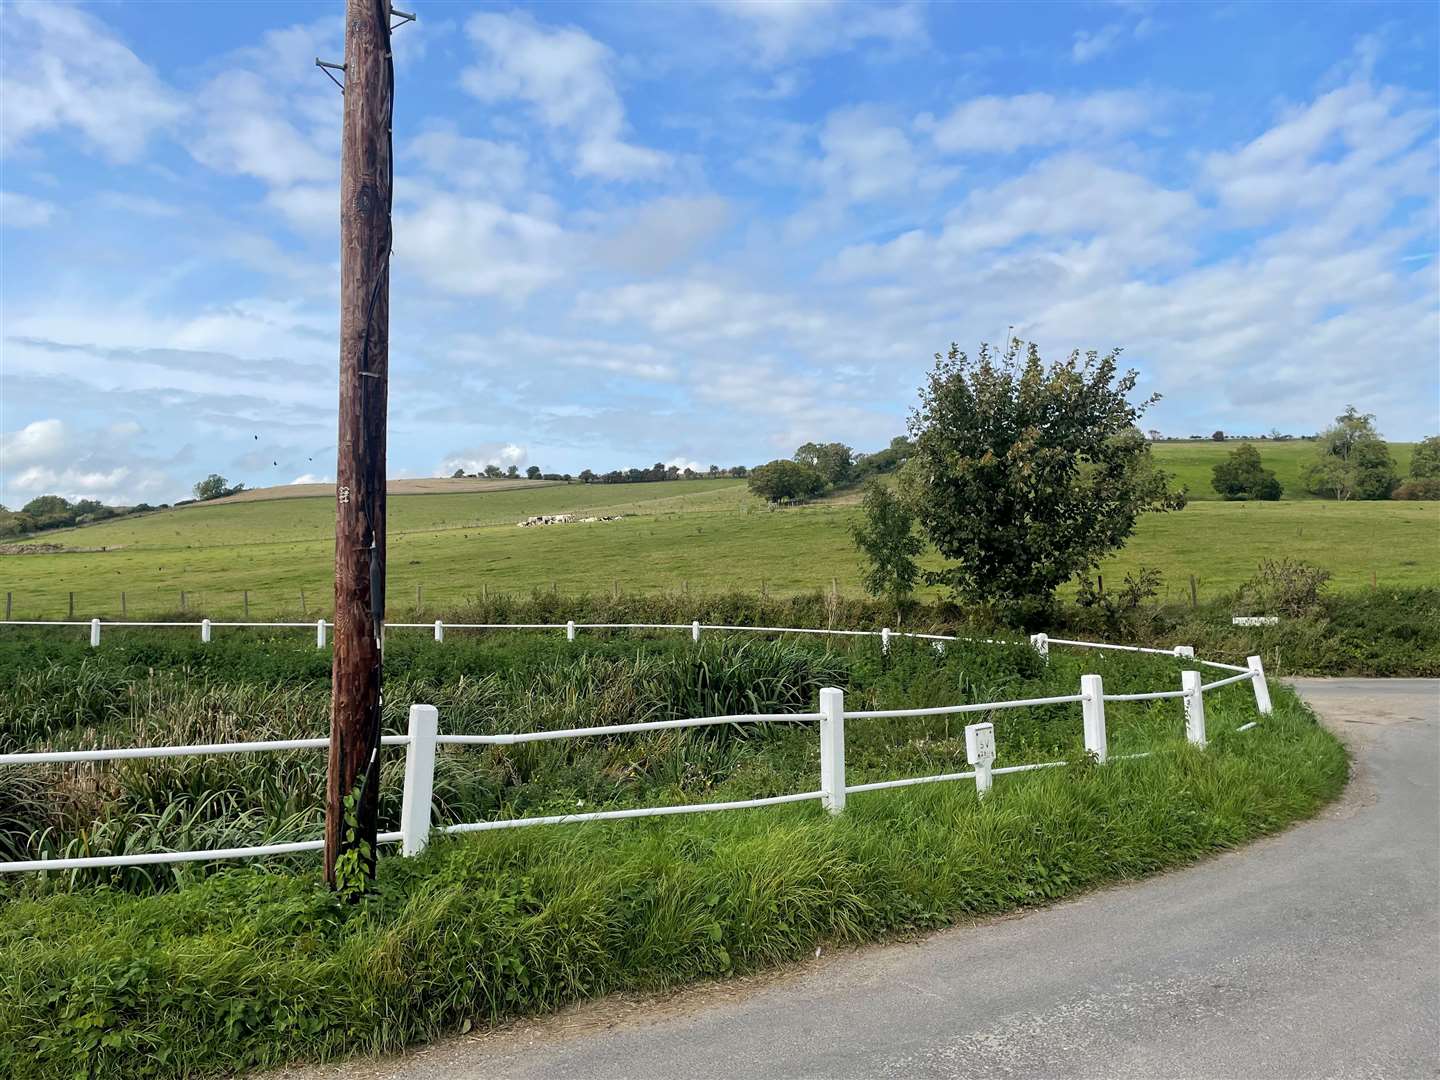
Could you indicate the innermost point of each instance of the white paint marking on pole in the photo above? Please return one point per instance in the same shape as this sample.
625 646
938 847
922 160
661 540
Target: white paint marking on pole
1262 688
1093 707
695 630
439 630
1194 707
205 631
570 630
94 633
1041 644
319 633
419 779
885 639
980 752
1185 651
832 749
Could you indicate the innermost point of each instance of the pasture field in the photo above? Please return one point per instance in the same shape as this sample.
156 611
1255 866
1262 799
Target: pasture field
706 535
1192 463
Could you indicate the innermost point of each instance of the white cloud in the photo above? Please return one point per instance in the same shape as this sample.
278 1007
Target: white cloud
313 478
655 236
38 441
864 156
564 75
473 247
1090 45
1006 124
19 211
65 70
783 30
470 164
246 130
474 459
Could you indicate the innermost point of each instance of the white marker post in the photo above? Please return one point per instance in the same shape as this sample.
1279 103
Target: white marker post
980 752
832 749
320 633
885 640
570 630
439 630
419 779
1262 688
695 631
1194 707
1092 688
1041 644
94 633
205 631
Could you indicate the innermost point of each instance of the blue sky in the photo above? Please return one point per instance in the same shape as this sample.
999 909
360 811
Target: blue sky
701 233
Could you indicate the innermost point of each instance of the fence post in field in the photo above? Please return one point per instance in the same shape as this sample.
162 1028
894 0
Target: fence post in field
419 779
885 640
832 749
980 752
123 612
302 603
419 598
94 633
71 615
182 601
1093 706
8 599
439 630
1186 652
695 630
245 599
1194 707
205 631
1041 644
1262 689
320 634
570 630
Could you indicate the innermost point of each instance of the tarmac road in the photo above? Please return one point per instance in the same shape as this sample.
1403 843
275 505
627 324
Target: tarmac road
1315 953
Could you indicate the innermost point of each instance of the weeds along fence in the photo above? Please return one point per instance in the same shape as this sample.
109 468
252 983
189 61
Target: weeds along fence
423 739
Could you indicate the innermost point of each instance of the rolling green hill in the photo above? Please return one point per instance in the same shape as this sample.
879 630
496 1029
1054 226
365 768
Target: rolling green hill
1192 460
703 534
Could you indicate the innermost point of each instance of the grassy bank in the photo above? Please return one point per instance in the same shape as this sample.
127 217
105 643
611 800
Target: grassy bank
249 967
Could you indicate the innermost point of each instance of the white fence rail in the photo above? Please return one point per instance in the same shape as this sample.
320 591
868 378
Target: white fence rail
423 739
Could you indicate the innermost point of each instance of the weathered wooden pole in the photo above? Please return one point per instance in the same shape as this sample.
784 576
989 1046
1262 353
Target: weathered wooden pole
353 778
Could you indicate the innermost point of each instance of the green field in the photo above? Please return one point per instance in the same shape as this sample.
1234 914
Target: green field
1192 462
703 535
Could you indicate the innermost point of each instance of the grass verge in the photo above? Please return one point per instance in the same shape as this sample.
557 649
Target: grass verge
248 968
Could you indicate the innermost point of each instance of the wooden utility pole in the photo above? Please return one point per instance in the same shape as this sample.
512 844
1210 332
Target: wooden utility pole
366 174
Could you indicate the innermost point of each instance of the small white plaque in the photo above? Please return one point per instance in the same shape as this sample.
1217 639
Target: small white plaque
980 744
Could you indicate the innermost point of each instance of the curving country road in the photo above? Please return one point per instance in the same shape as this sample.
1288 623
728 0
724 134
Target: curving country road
1315 953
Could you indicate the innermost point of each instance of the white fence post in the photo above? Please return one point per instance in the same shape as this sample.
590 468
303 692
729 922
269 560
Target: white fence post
1186 652
205 630
1093 706
1194 707
1262 688
832 749
570 630
1041 644
320 633
439 630
980 752
885 639
419 779
94 633
695 630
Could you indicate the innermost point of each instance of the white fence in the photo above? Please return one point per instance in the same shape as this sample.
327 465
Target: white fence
423 739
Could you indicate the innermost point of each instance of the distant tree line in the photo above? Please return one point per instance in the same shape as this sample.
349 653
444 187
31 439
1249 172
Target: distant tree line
820 467
56 512
661 471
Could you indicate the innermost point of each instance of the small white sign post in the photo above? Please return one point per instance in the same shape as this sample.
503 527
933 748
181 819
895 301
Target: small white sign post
980 752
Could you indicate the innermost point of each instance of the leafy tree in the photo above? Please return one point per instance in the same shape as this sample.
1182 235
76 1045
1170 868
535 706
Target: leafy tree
833 461
532 472
586 476
1425 462
457 474
47 506
512 472
885 536
782 480
1025 474
1351 460
492 471
1217 436
15 523
1241 476
215 486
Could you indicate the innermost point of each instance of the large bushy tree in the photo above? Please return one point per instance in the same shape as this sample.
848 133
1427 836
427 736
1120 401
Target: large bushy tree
834 461
1242 476
1425 462
885 537
1023 474
215 486
782 480
1351 460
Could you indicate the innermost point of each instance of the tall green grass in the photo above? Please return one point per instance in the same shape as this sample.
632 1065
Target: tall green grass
252 967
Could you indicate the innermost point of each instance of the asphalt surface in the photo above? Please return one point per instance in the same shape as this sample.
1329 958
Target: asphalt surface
1315 953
